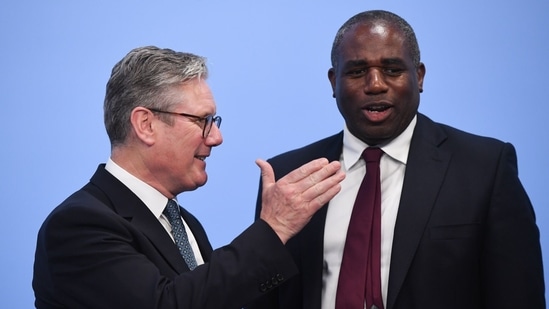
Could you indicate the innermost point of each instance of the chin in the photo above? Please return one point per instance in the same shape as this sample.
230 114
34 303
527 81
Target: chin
202 182
187 189
195 185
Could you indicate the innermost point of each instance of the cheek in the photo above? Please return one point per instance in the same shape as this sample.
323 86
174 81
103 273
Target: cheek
409 86
405 91
348 90
348 97
182 153
349 87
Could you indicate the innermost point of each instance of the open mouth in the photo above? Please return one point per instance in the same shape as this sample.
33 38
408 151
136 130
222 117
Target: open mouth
377 112
201 158
377 108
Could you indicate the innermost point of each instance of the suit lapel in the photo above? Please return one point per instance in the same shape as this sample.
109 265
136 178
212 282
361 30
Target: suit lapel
124 202
311 239
425 170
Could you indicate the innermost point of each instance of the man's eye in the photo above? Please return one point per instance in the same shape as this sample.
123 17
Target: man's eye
393 71
356 72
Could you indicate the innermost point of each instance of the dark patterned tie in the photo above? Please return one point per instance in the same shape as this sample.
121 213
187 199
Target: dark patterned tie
179 234
360 274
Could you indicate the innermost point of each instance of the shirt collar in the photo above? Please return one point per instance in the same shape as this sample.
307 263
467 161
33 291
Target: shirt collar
397 148
152 198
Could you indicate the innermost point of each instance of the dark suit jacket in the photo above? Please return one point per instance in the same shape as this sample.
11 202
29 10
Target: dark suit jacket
465 234
103 248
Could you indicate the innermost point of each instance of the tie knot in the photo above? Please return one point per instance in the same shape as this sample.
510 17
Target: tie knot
372 154
172 210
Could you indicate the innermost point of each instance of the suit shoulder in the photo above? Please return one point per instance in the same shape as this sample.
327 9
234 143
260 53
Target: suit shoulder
467 140
80 206
461 145
329 147
449 135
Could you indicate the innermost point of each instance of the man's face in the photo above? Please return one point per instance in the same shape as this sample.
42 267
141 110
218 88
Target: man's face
376 84
181 150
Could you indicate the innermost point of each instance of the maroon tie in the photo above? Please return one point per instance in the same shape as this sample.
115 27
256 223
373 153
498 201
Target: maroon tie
360 274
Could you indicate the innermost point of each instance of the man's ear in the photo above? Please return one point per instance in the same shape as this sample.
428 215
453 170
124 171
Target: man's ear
420 75
143 126
332 79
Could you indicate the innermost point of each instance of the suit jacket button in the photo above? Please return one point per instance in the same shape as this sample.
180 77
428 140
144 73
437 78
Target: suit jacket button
280 277
262 287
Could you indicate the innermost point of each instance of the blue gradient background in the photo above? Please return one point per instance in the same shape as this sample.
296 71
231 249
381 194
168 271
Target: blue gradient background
487 66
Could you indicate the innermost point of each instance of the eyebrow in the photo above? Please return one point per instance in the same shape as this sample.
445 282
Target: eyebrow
354 63
384 61
389 61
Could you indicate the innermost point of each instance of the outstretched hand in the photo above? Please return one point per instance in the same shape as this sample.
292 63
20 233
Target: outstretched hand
289 203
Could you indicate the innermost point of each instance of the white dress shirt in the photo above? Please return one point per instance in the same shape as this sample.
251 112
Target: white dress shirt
392 168
154 200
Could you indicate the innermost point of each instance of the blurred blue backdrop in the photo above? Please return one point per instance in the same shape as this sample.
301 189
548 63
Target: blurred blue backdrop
486 62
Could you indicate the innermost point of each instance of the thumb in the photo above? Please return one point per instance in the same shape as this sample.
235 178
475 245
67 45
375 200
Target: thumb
267 173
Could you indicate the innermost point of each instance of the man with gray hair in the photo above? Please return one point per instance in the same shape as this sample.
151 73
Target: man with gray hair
122 241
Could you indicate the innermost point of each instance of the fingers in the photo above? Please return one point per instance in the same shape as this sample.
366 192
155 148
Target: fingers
324 191
309 180
315 171
289 203
267 173
318 184
305 170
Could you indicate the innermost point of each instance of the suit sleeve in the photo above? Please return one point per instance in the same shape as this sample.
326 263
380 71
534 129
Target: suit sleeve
512 269
270 299
90 258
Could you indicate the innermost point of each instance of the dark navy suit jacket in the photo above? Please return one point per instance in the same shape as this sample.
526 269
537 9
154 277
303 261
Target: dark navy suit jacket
465 234
103 248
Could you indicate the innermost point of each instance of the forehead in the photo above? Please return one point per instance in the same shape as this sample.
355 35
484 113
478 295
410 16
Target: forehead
377 39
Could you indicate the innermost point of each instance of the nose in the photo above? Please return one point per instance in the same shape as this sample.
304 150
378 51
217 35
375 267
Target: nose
375 82
214 138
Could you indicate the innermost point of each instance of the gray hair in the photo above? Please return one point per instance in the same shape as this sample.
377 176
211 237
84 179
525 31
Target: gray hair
146 77
378 16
